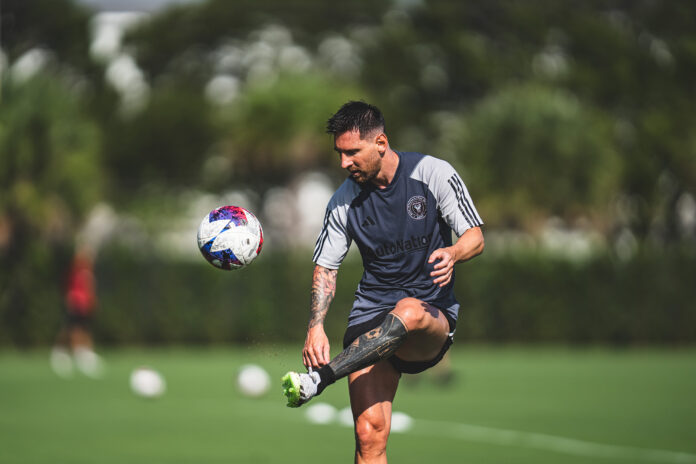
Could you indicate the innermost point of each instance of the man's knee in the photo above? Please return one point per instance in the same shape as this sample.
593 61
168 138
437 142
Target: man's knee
414 313
371 433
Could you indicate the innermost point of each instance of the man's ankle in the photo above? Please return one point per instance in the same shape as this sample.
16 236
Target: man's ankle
327 376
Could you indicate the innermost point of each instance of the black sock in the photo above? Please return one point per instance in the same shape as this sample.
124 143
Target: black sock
327 376
369 348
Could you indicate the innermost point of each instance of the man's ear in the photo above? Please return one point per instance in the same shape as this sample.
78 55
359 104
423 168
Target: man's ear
382 143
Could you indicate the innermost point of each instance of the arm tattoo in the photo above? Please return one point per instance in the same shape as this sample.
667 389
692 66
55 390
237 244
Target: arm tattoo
323 291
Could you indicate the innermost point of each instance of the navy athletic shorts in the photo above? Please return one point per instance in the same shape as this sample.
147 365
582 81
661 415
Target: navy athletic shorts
405 367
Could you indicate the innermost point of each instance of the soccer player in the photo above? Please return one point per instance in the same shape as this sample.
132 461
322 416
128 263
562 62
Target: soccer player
76 334
400 209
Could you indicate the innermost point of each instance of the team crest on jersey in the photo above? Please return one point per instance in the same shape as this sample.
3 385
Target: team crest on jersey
416 207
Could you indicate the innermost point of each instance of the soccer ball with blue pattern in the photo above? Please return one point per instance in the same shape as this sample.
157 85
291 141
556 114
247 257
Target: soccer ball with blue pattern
230 237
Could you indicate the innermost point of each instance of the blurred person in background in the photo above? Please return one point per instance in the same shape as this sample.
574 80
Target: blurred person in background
400 208
74 344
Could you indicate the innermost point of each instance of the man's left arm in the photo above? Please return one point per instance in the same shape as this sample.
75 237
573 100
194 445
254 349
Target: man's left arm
469 245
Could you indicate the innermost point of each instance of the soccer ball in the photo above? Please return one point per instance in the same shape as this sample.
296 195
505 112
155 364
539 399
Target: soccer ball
322 413
230 237
253 380
147 382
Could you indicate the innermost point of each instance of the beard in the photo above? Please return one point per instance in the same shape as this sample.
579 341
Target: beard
362 177
366 174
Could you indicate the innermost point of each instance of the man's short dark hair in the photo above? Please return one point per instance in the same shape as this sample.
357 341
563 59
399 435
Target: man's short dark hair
356 115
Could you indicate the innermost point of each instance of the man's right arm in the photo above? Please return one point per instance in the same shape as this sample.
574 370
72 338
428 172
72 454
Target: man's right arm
316 351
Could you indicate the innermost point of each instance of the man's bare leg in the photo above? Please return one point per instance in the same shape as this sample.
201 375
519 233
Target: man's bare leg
372 392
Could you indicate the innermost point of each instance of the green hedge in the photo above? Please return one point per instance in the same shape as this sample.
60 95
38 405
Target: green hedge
650 299
514 298
153 301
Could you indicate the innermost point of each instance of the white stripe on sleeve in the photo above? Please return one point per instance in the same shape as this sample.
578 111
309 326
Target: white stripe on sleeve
452 196
334 241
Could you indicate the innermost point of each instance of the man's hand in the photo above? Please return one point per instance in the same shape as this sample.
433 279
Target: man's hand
443 269
316 348
469 245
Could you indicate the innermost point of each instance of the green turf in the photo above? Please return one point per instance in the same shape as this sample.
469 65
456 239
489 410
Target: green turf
634 401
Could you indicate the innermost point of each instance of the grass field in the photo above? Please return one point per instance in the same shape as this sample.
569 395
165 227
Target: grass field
507 405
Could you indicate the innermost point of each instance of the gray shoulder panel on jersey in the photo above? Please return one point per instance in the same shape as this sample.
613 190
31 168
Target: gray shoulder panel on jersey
333 241
452 196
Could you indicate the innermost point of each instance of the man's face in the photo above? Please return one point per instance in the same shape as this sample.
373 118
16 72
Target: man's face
362 158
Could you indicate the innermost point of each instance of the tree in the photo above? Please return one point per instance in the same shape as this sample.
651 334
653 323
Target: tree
49 178
538 152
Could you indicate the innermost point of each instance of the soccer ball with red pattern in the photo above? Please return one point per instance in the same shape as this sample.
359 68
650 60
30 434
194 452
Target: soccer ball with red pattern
230 237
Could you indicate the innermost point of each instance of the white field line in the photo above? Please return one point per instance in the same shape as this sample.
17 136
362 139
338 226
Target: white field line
545 442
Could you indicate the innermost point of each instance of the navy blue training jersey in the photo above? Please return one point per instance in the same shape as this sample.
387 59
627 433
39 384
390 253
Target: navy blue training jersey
396 230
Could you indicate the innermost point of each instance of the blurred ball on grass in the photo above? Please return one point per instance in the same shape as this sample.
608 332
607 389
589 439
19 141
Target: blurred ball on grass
253 380
147 383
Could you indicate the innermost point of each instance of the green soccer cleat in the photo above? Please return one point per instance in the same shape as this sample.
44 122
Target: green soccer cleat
291 388
299 388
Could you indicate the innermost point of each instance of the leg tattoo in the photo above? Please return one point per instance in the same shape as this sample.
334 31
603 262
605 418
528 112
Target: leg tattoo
369 348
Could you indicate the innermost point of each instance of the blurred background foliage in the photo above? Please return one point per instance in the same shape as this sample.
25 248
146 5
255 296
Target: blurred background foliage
571 123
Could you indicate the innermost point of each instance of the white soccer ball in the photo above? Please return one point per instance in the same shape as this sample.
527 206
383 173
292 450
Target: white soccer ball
147 382
321 413
345 417
401 422
253 380
230 237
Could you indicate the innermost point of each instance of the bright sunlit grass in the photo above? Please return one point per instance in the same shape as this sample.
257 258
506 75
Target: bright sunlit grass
505 405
